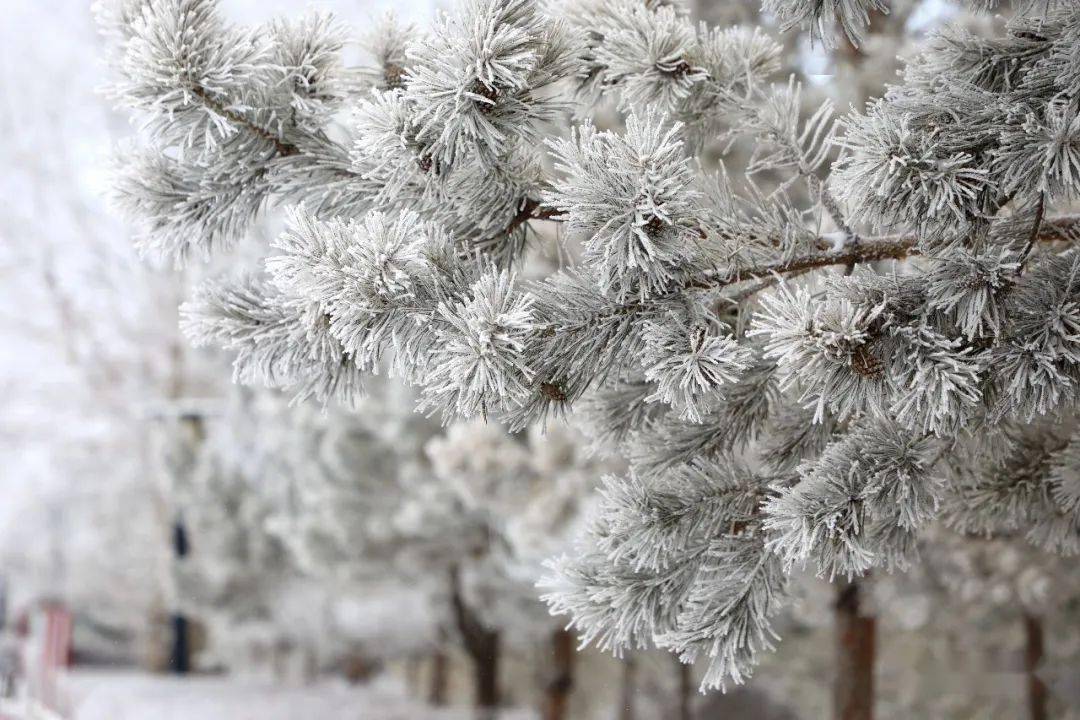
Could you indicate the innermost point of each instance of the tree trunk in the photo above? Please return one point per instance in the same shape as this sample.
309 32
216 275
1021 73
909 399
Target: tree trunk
485 658
413 673
685 689
1033 656
310 670
629 687
439 672
561 678
180 652
482 646
853 687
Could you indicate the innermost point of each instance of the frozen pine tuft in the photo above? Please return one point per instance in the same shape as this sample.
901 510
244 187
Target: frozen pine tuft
817 341
479 363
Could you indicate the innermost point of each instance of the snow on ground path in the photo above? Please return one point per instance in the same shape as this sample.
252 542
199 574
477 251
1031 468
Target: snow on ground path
138 696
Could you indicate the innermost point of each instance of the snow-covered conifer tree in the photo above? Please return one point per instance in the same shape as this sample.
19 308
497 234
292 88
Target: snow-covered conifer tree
330 485
234 575
870 326
465 519
526 493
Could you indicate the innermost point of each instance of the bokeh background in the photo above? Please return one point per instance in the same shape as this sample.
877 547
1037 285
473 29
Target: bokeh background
127 462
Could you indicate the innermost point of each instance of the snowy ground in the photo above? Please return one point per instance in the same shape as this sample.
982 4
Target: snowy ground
134 696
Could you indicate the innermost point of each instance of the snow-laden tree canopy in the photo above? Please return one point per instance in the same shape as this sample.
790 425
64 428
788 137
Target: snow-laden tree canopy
870 325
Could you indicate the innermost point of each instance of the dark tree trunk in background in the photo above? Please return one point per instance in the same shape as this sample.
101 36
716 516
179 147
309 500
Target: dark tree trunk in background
482 646
194 435
685 685
485 656
439 672
629 687
414 668
1033 656
560 676
180 652
853 687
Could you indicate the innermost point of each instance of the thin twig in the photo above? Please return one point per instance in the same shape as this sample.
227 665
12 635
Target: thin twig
869 251
531 209
1033 237
1062 228
832 207
280 146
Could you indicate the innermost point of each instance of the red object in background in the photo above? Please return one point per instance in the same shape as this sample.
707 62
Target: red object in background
22 624
48 652
57 650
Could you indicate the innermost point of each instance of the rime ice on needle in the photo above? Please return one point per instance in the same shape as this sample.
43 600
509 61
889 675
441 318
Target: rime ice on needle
775 410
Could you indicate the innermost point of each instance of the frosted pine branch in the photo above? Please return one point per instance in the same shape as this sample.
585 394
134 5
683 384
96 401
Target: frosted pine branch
808 352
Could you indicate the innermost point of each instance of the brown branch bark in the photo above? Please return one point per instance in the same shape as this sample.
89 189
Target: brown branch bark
865 251
1065 228
853 685
531 209
1036 227
280 146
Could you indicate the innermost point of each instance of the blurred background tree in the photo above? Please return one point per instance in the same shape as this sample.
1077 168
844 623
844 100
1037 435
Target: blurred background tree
312 535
